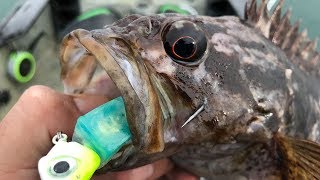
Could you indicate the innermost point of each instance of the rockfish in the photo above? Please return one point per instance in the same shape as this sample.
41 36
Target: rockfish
224 98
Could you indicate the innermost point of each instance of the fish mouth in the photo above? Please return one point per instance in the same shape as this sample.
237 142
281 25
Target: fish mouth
130 75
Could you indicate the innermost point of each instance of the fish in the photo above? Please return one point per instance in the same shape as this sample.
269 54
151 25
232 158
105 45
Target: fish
223 97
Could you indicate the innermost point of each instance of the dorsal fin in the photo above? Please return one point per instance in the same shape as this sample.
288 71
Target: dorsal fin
281 32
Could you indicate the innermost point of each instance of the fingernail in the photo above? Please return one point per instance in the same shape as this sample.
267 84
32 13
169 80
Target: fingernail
143 172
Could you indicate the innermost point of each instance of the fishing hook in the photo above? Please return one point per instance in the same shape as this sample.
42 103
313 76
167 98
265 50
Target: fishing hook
196 113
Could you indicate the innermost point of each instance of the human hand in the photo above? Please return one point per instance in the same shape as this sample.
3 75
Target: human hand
26 132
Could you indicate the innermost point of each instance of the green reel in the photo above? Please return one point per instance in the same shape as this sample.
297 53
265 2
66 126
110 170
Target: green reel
21 66
172 8
92 13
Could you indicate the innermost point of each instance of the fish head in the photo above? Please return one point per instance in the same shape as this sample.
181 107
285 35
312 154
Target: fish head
168 69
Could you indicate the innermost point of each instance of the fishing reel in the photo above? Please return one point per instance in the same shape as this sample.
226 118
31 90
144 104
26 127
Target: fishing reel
21 63
21 66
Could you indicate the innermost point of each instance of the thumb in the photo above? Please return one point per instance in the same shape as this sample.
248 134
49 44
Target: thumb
31 123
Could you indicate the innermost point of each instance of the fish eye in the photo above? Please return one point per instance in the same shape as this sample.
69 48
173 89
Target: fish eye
63 166
184 42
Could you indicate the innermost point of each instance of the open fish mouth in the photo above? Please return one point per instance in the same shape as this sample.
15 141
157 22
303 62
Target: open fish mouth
130 76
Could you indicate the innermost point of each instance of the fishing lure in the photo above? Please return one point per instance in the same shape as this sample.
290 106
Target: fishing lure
68 161
98 136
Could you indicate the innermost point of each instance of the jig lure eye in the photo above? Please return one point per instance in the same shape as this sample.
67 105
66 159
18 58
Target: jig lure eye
63 166
184 42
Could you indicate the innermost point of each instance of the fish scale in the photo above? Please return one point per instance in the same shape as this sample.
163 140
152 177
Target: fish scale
251 88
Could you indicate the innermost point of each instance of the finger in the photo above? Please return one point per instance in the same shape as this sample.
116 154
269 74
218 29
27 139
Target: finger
161 168
29 126
180 174
26 131
140 173
151 171
37 116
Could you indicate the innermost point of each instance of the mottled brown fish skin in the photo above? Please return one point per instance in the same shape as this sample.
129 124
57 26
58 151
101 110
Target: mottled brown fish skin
248 86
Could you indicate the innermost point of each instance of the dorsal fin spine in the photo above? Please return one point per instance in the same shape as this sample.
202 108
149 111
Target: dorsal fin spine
275 18
298 48
290 36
